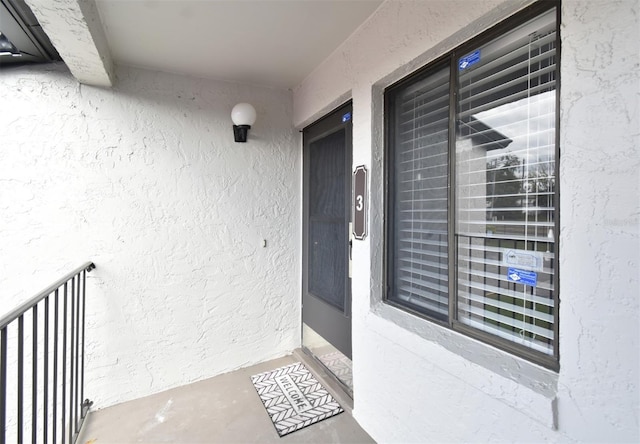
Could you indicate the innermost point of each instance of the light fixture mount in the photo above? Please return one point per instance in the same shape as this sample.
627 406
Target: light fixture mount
240 132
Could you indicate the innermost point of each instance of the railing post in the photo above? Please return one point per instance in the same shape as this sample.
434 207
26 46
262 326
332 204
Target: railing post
34 376
84 301
64 363
3 385
71 355
45 372
20 377
56 328
77 357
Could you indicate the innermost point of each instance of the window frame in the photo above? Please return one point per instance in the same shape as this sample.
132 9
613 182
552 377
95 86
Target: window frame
390 95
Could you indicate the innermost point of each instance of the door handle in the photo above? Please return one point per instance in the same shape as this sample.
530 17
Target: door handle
350 249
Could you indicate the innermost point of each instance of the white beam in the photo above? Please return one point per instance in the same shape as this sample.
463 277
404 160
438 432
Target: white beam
74 28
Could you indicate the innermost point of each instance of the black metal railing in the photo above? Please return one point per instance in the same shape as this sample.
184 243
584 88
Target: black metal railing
42 365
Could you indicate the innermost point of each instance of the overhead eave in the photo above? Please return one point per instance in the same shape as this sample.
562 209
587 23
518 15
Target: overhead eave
74 28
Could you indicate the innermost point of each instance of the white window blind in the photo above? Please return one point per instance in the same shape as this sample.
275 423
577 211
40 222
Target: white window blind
421 164
505 186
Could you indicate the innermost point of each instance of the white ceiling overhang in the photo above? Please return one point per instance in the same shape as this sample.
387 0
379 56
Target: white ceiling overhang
266 42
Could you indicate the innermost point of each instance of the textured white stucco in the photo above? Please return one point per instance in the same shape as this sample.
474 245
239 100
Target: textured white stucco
146 180
417 382
599 383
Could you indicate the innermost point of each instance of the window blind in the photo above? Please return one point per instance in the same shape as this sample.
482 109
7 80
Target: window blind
421 160
505 186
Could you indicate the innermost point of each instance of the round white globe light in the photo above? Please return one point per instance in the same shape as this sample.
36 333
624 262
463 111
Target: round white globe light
243 114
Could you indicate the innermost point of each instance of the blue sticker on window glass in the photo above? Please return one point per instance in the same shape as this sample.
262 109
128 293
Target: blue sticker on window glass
522 276
469 60
346 117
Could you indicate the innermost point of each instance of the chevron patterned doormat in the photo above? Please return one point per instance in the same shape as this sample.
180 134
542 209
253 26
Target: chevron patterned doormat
294 399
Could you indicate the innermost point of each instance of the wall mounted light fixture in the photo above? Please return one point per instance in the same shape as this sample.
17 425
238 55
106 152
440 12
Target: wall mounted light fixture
243 116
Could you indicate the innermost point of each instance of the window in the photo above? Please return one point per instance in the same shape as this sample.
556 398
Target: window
471 188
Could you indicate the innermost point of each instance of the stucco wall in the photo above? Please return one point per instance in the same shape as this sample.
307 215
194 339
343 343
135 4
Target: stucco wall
415 381
146 180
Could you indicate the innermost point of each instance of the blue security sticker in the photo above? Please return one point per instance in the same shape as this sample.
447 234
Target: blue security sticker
522 276
469 60
346 117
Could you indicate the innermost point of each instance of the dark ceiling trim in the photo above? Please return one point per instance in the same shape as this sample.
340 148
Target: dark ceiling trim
21 28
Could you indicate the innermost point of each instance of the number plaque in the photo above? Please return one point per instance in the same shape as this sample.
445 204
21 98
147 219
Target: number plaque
360 202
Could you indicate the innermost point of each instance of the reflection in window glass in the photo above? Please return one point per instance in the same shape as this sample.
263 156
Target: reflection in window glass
505 186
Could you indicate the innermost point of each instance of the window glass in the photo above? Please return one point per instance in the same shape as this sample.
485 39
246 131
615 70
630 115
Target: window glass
505 186
421 164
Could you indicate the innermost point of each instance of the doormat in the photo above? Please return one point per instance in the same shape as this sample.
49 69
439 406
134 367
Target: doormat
294 399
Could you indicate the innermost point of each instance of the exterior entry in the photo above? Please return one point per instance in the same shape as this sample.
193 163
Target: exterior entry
326 292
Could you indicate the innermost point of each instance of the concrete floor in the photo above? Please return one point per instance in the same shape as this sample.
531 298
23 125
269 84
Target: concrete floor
224 409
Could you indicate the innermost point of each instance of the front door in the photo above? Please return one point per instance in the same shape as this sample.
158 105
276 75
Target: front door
326 295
